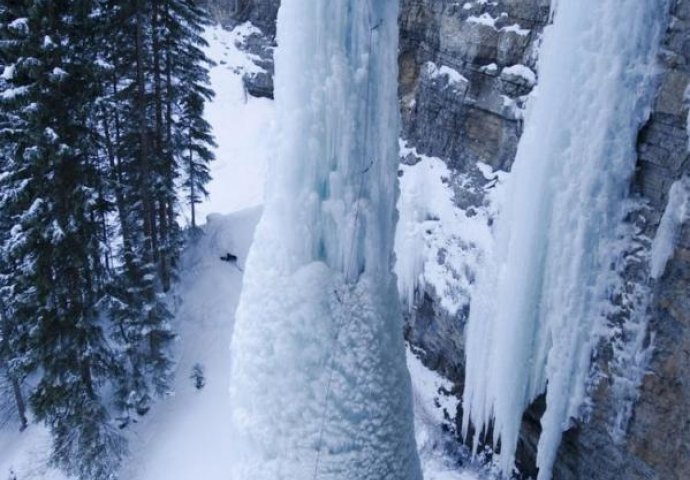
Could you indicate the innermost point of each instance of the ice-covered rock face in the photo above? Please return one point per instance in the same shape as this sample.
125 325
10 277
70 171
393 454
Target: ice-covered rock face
319 384
537 313
461 124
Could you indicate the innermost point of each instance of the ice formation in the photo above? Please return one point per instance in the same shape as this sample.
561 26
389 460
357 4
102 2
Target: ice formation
537 312
319 387
439 246
676 213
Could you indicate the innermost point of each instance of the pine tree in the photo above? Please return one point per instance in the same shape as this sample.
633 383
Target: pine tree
50 195
138 307
10 364
198 141
194 139
101 123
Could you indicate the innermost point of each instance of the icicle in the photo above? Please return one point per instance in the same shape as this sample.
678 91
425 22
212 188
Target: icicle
676 213
535 316
319 383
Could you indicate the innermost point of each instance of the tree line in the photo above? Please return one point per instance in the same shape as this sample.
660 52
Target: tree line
102 141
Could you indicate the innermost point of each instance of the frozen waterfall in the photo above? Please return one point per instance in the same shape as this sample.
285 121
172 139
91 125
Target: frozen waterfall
319 387
537 314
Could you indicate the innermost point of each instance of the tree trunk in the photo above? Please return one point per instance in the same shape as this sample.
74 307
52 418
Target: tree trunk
192 180
150 241
21 405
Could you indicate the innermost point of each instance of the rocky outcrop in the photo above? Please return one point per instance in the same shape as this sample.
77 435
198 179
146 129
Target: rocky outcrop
466 70
262 13
659 434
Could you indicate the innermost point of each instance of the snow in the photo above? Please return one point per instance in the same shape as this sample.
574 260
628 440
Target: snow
26 453
241 123
520 71
8 72
537 311
431 227
454 77
677 212
491 68
21 25
319 385
483 19
14 92
58 74
189 435
516 28
433 406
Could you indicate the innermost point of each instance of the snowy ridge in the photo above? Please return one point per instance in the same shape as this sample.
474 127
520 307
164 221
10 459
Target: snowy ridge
319 386
537 313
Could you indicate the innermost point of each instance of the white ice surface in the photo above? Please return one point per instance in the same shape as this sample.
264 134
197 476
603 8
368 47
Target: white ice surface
677 212
319 384
538 310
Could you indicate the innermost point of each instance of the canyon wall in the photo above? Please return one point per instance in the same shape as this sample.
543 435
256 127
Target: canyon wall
466 74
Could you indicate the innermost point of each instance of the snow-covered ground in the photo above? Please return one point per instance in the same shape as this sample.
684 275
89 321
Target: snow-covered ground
188 436
433 406
438 244
241 124
26 454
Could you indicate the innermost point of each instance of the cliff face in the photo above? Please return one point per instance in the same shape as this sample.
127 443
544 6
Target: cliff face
660 432
464 117
473 116
466 71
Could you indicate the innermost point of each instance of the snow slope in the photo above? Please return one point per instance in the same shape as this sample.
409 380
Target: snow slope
188 436
26 454
241 125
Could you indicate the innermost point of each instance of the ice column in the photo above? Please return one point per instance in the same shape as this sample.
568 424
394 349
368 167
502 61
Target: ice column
320 388
535 316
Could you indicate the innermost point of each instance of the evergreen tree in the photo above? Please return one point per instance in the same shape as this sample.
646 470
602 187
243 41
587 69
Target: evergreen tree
101 125
198 140
53 245
10 364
